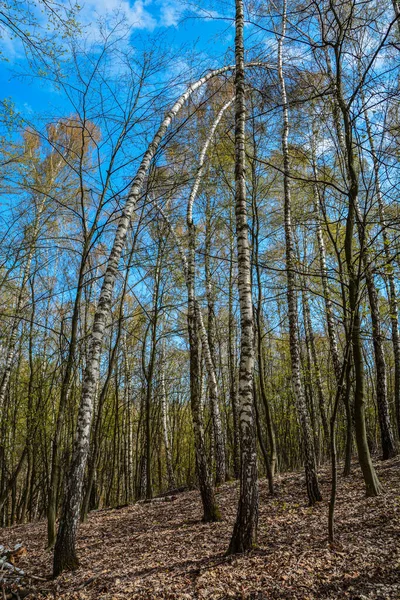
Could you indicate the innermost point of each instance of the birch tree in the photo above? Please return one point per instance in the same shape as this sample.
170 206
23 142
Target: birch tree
313 492
244 534
65 557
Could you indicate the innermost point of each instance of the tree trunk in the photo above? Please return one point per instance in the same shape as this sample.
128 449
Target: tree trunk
210 509
205 338
387 440
372 484
260 325
244 534
103 394
164 417
232 372
315 365
393 303
313 491
65 557
64 394
220 462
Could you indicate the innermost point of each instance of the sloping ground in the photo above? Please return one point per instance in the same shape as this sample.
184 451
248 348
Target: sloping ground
162 550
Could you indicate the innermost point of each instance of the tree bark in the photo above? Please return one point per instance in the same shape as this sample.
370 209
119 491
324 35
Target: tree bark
244 534
372 484
164 416
260 354
393 303
220 459
232 372
313 492
65 556
340 107
210 509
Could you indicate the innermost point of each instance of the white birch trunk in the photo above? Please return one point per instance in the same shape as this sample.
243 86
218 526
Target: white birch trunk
164 417
333 342
313 492
212 378
65 557
244 534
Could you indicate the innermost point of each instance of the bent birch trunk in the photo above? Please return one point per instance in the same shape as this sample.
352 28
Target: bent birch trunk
65 557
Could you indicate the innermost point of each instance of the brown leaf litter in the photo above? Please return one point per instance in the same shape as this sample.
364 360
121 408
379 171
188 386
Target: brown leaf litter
162 550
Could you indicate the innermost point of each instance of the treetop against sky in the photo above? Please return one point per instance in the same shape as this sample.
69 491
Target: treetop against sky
192 37
184 29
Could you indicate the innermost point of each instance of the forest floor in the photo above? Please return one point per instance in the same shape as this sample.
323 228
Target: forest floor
163 550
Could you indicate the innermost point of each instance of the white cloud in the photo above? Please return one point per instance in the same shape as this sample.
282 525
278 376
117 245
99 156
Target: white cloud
145 15
10 48
140 14
136 14
170 14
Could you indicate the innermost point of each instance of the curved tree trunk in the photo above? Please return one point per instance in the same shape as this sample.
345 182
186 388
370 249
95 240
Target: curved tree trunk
189 272
65 557
93 460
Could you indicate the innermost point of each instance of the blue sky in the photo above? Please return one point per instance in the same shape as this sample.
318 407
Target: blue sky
179 24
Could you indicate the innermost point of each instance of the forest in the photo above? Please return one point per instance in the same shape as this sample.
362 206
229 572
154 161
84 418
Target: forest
199 299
